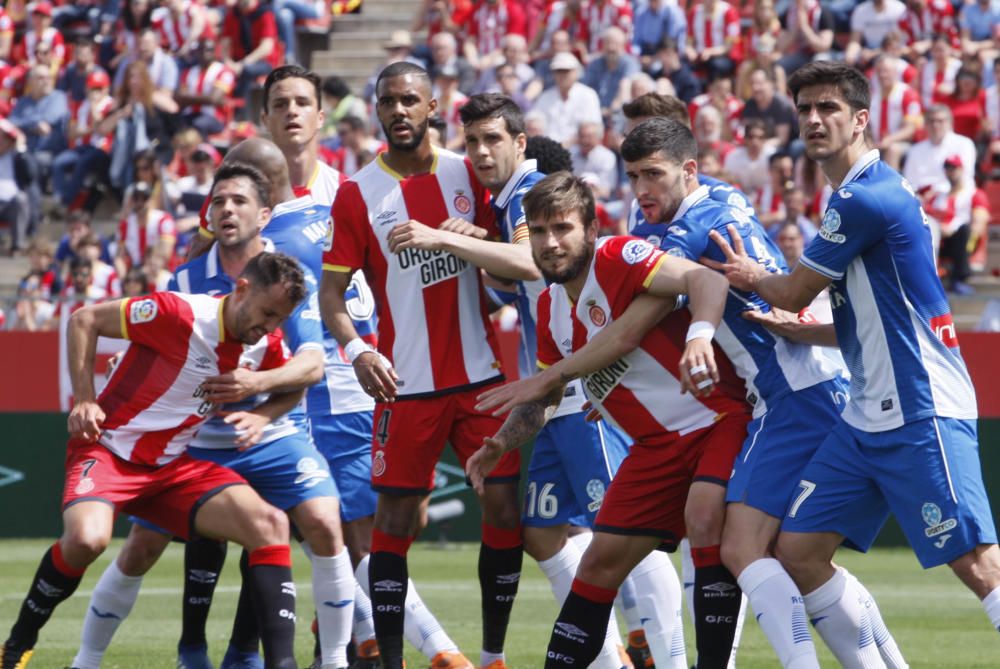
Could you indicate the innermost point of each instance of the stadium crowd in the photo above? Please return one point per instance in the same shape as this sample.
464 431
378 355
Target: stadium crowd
137 101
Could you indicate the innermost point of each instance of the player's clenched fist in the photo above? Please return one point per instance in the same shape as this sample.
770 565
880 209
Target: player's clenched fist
85 421
699 372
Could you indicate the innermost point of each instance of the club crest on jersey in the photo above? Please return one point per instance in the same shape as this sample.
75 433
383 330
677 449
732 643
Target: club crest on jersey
597 315
595 491
378 463
636 251
600 384
462 202
142 311
831 223
931 513
85 485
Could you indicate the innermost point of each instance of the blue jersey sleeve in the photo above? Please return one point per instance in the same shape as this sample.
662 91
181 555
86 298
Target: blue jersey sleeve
854 221
686 238
172 284
304 328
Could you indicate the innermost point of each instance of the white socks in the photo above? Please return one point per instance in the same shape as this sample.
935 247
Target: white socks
333 591
659 605
887 647
838 615
991 603
687 577
780 612
113 598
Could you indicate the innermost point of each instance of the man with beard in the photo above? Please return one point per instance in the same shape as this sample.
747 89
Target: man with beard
677 438
396 219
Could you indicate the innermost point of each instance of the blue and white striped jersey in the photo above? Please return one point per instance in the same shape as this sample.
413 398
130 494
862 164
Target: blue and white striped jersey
890 311
771 365
718 190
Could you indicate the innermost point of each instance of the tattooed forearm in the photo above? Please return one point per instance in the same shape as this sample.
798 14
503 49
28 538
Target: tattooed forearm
525 420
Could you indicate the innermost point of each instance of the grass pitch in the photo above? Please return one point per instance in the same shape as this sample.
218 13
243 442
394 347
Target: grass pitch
935 620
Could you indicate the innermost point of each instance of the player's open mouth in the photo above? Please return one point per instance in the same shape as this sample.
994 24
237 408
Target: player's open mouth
815 135
293 126
401 129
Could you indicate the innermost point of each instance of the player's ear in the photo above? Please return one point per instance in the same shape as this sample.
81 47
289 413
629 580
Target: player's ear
690 169
521 141
263 216
242 287
861 118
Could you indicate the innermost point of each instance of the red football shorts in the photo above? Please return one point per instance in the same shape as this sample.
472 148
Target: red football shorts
166 496
648 494
409 436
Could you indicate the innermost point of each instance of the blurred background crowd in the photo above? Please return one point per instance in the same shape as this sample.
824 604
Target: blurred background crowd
114 115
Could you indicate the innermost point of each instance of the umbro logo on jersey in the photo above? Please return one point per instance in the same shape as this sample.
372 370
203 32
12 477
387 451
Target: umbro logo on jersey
386 217
570 631
203 363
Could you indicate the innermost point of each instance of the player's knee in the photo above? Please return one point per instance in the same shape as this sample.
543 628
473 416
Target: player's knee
270 526
139 555
323 533
83 545
793 556
540 545
704 524
501 507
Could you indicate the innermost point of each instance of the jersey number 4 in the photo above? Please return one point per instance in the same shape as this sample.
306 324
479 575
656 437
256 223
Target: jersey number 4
382 430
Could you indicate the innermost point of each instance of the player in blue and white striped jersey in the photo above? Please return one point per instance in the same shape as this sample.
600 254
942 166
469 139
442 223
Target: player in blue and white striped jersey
907 440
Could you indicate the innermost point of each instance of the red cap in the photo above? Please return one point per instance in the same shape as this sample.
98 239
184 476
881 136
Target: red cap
44 8
953 161
98 79
8 128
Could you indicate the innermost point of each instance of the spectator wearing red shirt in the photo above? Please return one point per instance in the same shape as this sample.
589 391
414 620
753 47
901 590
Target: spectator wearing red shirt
89 150
953 211
205 91
6 35
923 21
968 105
249 43
486 26
714 42
41 32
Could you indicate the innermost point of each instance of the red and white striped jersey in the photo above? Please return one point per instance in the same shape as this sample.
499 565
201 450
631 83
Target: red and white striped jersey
203 81
732 116
708 30
174 31
432 311
557 17
601 15
768 200
953 210
136 237
86 118
154 401
104 278
814 12
490 22
936 18
753 40
641 392
888 112
938 81
52 37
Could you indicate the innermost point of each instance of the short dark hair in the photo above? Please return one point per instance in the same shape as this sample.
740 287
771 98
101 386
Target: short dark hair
755 124
237 170
851 83
655 104
336 87
353 121
291 72
401 69
440 125
674 140
79 262
550 155
493 105
559 193
667 43
776 156
268 269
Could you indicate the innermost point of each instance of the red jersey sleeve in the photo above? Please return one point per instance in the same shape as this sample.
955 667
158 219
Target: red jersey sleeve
548 353
155 320
979 200
277 353
346 247
625 266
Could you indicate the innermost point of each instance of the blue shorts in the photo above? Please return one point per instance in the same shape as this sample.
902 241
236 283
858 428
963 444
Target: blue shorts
927 473
285 472
571 466
780 444
345 440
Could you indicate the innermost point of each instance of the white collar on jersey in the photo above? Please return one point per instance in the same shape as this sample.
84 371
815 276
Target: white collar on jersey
860 166
524 169
699 194
212 265
292 205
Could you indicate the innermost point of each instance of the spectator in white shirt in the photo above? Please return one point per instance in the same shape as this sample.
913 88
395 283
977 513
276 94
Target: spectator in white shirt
748 164
871 21
569 103
590 156
924 165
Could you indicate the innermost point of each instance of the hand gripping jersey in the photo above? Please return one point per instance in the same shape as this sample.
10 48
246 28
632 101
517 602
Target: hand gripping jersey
433 321
204 275
718 190
892 317
771 366
641 392
154 402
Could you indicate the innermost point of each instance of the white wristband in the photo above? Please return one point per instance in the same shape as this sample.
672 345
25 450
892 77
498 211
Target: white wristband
356 347
700 330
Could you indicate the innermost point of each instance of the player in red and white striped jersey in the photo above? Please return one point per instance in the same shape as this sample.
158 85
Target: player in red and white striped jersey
390 220
677 437
126 448
205 89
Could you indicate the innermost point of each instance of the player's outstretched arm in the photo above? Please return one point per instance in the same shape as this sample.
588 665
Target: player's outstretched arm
376 377
787 325
250 424
303 370
793 292
523 423
85 326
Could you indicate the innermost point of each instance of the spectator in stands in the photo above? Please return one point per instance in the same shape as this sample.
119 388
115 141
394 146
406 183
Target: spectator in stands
720 95
155 267
193 189
710 163
180 25
968 105
714 44
977 23
762 36
808 33
510 85
88 155
137 15
161 70
937 75
20 194
544 77
286 13
924 20
356 141
398 47
535 124
486 26
924 165
137 126
77 228
871 21
952 210
748 164
796 212
896 114
707 130
790 240
668 64
135 284
205 91
6 35
249 43
40 114
659 21
185 142
164 194
764 58
73 81
338 103
563 28
103 276
775 110
79 292
569 103
144 229
41 33
590 156
449 101
37 289
516 57
599 15
769 199
444 53
437 16
606 72
437 131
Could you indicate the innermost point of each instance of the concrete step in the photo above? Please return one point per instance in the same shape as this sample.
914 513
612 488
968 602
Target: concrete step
384 23
406 8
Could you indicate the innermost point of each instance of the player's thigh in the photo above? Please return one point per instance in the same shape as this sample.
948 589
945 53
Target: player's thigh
705 513
237 513
408 438
318 521
345 441
932 477
549 500
610 557
837 493
747 535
